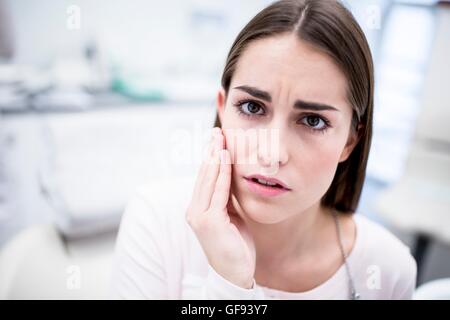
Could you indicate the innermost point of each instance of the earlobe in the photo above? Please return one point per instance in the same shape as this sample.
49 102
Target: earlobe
221 101
350 145
344 154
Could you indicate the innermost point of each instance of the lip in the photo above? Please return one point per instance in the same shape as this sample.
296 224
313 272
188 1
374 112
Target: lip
265 190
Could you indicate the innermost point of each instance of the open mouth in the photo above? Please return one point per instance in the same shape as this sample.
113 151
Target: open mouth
267 184
265 188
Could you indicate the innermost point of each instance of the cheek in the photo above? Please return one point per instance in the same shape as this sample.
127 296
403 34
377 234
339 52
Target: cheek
326 156
229 141
239 143
317 166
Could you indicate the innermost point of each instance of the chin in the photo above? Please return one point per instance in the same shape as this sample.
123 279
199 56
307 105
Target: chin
260 212
257 210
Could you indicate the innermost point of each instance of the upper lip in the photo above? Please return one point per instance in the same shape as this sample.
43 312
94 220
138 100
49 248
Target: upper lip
273 180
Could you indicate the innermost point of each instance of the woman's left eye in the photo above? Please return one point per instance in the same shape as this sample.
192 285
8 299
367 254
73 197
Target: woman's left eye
315 122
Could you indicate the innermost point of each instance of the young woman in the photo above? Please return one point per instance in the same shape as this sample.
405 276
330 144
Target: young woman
274 222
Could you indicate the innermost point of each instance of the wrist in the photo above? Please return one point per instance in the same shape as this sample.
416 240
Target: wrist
246 284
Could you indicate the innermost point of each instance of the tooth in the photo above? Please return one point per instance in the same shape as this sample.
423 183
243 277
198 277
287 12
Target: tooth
262 181
266 182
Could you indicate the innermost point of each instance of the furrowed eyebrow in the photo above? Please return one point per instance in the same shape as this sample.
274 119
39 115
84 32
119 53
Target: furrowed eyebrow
305 105
299 104
257 93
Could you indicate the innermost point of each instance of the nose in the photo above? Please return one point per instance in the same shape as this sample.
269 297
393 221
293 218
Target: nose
272 148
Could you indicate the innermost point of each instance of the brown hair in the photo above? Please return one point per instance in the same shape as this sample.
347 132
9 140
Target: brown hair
331 28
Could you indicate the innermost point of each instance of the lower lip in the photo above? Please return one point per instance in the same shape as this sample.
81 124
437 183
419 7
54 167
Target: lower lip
264 190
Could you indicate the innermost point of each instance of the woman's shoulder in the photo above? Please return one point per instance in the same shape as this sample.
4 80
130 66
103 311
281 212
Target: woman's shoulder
157 208
165 197
384 254
378 238
149 247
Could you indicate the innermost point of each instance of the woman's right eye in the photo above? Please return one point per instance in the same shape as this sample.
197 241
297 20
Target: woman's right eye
249 108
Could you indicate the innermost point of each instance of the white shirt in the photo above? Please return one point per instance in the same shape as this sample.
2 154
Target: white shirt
158 256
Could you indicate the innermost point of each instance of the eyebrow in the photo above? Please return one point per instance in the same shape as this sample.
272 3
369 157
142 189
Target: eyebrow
299 104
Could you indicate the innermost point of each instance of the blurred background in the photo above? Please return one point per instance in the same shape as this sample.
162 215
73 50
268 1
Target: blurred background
99 97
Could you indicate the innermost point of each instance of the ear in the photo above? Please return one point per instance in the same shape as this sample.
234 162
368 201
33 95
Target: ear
352 141
221 102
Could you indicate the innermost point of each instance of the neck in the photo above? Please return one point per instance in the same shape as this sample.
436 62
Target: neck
298 236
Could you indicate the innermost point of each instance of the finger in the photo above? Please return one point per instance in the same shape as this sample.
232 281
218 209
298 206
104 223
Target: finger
211 174
205 160
203 167
222 188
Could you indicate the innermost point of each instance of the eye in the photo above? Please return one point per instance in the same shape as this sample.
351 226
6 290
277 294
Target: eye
249 108
316 123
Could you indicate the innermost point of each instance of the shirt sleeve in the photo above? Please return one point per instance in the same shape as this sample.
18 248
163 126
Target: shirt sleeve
217 287
138 268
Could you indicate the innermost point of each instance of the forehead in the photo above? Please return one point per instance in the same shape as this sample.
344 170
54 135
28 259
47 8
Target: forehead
285 64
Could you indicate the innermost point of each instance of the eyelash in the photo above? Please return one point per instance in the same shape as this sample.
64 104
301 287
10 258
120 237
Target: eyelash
239 104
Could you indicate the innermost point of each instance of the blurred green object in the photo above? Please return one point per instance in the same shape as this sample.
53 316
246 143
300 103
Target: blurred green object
138 89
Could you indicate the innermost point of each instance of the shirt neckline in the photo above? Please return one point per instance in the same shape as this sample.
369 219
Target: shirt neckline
331 284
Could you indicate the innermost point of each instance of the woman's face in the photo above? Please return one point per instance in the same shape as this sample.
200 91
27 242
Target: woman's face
286 117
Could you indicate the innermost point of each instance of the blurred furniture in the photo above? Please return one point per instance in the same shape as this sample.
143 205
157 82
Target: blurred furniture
39 264
78 169
419 202
434 290
6 41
